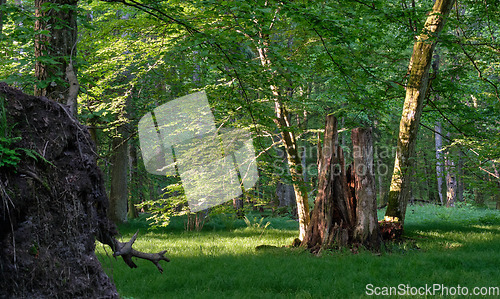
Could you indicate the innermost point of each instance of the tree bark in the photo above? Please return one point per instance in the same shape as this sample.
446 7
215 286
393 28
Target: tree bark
380 185
295 166
451 181
333 214
460 177
345 210
118 196
285 194
134 192
2 2
416 90
439 160
284 124
54 50
366 229
429 173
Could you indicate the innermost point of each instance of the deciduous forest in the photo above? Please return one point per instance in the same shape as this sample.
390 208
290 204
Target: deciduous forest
209 148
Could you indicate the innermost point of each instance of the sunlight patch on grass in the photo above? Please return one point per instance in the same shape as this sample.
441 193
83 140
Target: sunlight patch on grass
225 263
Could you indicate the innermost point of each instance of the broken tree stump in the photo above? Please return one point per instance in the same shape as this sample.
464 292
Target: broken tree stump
345 211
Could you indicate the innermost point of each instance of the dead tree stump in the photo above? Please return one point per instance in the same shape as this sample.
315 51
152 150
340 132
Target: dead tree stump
345 211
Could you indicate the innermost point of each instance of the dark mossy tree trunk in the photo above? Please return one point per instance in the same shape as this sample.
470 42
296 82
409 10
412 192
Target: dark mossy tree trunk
380 184
134 189
345 207
431 186
118 195
238 206
416 90
2 2
285 194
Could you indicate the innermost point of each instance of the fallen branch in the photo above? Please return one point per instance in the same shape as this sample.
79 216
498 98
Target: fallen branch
126 251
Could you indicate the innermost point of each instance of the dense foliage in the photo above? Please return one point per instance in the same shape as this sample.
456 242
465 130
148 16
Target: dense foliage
347 58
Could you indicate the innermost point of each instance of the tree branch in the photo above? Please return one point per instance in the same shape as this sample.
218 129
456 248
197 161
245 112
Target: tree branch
126 251
479 72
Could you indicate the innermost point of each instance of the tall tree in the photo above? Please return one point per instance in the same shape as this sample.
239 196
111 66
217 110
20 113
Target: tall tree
118 195
451 180
2 3
439 159
285 124
416 89
55 47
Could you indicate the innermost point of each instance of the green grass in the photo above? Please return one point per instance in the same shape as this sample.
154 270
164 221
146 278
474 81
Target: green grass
451 247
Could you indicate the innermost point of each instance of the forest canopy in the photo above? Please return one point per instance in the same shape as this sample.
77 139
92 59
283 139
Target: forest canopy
270 67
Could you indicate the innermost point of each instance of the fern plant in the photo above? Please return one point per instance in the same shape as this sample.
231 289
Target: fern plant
9 157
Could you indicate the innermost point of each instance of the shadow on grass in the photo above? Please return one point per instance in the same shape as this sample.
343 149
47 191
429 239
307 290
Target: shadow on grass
225 263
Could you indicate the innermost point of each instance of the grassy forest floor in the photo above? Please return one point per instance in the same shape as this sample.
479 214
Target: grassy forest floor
450 247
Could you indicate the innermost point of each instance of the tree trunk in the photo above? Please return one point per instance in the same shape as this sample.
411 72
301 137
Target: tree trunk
478 196
54 51
416 90
285 194
238 206
295 167
284 124
460 177
345 210
429 173
380 182
378 166
333 215
118 196
2 2
366 229
134 190
439 160
303 159
451 182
